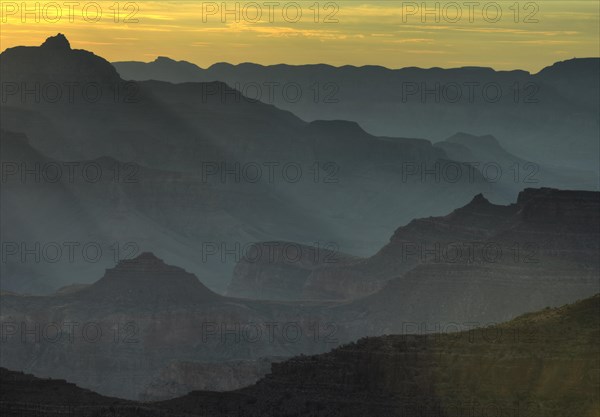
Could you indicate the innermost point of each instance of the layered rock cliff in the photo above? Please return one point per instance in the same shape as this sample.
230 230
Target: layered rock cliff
119 335
543 226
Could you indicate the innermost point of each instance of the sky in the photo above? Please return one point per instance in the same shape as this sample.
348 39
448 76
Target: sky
499 34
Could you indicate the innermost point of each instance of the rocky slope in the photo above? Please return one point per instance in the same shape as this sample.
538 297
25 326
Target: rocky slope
546 255
542 364
119 335
544 232
180 378
144 316
28 396
279 270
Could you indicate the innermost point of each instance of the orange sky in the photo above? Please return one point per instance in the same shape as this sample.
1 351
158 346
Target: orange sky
501 34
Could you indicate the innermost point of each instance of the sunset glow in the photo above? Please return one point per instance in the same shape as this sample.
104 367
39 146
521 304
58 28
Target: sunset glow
503 35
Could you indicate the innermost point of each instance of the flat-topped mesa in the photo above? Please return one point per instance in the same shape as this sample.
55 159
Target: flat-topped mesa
148 280
278 270
553 194
579 209
549 205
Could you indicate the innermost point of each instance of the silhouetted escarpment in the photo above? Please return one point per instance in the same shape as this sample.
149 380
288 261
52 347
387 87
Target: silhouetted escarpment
544 225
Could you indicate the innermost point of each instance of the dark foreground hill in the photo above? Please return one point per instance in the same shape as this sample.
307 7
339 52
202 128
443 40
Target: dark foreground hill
542 364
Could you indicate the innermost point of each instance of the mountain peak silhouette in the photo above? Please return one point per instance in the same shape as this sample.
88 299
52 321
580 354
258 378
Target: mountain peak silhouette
59 41
55 61
147 280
